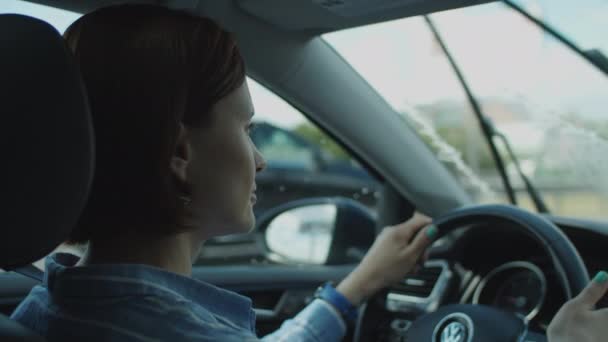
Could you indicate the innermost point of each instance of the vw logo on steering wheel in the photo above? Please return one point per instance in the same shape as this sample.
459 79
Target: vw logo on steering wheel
456 327
454 332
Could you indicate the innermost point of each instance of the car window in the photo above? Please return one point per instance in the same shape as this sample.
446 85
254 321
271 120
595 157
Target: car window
302 162
283 149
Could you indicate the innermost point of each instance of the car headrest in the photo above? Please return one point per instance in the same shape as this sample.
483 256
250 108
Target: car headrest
47 140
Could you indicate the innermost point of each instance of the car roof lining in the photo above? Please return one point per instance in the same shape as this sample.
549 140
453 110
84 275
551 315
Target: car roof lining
80 6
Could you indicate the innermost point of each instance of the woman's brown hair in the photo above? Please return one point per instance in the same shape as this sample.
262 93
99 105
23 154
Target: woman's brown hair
146 69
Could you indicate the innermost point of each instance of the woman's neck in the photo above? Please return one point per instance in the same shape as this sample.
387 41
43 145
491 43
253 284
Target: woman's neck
174 253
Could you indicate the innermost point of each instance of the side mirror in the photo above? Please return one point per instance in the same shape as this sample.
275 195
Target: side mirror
321 231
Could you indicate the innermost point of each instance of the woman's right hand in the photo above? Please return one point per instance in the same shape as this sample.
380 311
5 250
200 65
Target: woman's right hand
395 253
577 321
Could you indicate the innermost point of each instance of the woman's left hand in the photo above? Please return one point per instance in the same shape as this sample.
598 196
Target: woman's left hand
577 320
394 254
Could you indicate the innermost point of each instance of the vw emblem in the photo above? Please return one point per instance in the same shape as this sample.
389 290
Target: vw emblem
456 327
454 332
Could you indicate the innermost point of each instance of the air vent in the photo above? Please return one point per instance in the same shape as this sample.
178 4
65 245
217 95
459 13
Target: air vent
419 284
420 291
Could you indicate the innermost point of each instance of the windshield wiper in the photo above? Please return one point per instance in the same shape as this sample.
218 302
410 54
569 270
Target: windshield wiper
488 129
540 205
598 57
595 58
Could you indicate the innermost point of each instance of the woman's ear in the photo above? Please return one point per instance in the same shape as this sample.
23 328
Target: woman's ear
182 155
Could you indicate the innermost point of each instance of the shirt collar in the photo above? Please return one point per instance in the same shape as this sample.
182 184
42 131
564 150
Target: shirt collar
120 280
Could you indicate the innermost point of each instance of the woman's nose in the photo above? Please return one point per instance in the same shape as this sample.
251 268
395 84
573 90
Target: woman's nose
260 162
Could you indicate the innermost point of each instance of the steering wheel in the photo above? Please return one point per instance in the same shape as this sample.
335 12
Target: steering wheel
473 323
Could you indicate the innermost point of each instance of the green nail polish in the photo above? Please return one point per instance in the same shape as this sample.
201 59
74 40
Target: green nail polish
601 277
432 231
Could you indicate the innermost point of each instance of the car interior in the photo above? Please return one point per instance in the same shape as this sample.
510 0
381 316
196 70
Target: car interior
506 268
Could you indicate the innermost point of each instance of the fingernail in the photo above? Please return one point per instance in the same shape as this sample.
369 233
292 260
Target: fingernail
601 277
431 231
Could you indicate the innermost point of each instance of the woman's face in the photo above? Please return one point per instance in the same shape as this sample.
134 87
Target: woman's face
222 167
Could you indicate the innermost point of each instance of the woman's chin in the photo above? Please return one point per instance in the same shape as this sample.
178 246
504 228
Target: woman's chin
245 225
250 225
231 224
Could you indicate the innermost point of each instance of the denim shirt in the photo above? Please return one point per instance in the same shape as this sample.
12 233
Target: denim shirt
127 302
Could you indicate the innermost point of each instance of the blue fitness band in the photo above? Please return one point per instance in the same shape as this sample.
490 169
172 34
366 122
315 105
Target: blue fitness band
328 293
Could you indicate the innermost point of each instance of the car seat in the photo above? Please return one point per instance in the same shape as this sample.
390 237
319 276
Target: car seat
47 147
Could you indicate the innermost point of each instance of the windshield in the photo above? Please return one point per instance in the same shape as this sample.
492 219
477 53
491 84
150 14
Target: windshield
548 101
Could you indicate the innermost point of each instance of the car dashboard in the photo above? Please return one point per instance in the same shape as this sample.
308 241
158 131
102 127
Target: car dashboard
494 266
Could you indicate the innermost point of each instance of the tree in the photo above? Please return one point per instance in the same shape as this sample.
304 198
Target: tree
319 138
